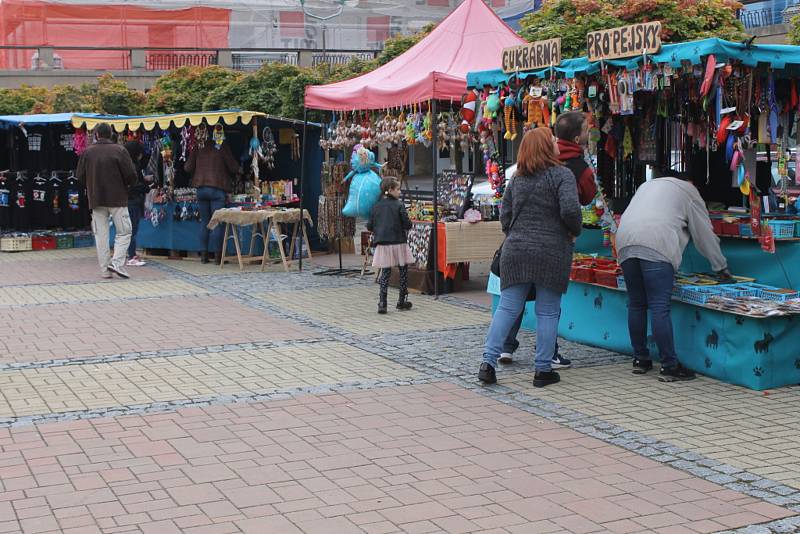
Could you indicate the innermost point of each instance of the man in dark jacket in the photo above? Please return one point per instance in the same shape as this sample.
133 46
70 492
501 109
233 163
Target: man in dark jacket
108 171
572 131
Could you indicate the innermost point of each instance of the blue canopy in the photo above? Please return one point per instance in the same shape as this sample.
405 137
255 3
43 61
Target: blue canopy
7 121
780 57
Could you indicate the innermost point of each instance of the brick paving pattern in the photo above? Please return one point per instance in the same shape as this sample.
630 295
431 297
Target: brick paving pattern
353 309
99 328
25 392
194 399
52 294
63 271
743 428
371 461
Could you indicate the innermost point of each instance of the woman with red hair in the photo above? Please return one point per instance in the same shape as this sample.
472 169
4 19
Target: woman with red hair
541 217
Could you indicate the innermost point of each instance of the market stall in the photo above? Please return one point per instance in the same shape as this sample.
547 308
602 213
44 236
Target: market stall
724 113
415 100
42 204
268 150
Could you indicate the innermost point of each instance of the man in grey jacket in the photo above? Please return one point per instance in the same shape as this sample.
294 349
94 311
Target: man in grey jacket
654 231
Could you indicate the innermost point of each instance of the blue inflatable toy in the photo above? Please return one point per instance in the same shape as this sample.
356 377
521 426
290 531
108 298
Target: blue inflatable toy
365 187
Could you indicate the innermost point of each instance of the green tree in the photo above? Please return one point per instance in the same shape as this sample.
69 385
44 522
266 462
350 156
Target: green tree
794 30
682 20
23 99
185 89
70 98
292 93
114 97
259 91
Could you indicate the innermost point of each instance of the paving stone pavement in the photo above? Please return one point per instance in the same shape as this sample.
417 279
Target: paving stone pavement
194 399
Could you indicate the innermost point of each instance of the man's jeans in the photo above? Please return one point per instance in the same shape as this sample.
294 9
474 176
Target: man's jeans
512 302
122 227
209 200
511 344
136 212
649 285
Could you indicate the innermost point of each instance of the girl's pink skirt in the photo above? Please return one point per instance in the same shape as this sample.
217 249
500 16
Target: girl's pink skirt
392 256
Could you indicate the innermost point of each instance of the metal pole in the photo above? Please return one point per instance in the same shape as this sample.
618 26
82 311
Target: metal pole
435 234
302 174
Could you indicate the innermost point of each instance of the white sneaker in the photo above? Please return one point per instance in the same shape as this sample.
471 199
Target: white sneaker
135 262
119 270
106 275
505 358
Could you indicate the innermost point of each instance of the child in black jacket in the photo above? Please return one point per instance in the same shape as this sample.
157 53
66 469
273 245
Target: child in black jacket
389 224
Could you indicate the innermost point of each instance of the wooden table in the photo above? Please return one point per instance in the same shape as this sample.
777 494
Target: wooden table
263 223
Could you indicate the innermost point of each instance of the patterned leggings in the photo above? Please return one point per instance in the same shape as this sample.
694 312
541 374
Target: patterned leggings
383 280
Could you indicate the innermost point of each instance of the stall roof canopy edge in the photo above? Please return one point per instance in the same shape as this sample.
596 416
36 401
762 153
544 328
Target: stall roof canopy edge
778 56
472 37
121 122
39 119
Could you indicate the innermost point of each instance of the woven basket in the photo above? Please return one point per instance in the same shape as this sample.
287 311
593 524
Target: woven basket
15 244
468 242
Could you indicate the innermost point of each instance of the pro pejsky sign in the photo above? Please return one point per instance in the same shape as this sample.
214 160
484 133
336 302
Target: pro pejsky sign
531 56
627 41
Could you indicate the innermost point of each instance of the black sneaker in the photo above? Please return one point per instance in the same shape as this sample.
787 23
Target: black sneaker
560 362
641 367
678 373
545 378
486 374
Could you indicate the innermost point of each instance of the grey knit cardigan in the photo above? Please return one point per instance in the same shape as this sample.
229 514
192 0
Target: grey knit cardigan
538 248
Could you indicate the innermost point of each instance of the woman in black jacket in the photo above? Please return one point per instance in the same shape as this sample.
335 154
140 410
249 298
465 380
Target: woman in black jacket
389 224
136 196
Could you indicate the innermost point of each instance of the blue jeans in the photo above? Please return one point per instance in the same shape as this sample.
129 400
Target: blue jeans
210 199
136 212
512 302
649 285
511 344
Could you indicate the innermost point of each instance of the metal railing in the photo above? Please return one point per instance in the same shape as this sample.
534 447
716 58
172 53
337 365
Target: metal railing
252 61
174 60
39 58
340 58
767 16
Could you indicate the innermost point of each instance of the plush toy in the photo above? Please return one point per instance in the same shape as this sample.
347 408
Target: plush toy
468 111
511 119
365 187
493 104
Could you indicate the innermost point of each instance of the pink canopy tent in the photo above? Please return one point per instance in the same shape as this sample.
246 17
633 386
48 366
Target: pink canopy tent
471 38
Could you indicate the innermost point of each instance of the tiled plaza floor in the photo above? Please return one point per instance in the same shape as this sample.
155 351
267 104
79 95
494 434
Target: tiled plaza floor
743 428
199 400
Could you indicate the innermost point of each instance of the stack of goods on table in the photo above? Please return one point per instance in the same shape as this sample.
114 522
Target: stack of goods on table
596 270
739 225
743 296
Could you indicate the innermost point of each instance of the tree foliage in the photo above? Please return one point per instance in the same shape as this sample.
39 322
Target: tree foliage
21 100
794 30
682 20
114 97
186 88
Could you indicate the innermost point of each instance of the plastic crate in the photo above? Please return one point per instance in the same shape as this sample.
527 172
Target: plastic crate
745 230
606 277
43 242
15 244
83 239
717 224
697 294
775 293
782 229
797 229
737 290
64 240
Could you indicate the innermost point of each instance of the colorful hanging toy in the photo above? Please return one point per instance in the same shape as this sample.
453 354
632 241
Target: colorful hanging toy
511 118
219 136
365 187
